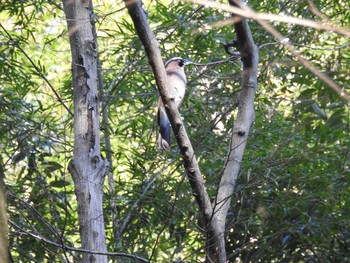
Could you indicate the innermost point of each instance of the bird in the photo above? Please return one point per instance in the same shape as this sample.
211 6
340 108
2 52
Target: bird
176 86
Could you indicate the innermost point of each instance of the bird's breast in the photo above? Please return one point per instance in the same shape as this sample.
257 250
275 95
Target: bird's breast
177 86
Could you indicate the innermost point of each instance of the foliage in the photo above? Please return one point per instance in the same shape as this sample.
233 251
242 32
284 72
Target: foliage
291 202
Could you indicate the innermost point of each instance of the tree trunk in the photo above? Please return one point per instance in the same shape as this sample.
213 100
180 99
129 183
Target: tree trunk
4 253
87 167
244 120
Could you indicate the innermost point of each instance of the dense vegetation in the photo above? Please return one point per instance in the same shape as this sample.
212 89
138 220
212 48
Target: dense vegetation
292 197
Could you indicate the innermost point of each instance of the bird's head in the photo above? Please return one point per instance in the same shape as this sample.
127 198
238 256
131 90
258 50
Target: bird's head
177 62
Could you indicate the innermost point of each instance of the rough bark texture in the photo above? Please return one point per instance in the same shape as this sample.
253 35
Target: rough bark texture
244 119
151 45
87 167
214 215
153 52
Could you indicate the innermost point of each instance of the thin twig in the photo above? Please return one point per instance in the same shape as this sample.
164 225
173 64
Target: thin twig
250 14
232 58
62 246
322 76
261 18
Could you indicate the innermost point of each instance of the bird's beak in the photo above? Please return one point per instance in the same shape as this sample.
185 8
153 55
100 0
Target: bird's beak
187 62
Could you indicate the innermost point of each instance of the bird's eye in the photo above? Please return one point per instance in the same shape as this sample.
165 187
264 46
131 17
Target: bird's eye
181 62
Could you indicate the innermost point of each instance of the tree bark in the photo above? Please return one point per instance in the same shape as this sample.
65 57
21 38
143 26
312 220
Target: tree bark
244 119
87 167
195 177
214 215
4 244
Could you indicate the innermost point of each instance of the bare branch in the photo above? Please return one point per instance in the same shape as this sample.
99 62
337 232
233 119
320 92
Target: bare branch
219 62
261 18
64 247
151 45
250 14
317 12
215 241
322 76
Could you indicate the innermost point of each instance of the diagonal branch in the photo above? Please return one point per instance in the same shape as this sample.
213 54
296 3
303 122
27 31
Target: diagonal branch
308 65
65 247
151 45
250 14
261 18
215 241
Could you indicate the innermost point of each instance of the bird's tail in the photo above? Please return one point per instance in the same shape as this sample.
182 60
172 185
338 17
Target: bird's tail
164 137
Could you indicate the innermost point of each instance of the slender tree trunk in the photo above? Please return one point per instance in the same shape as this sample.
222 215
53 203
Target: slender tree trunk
244 119
4 245
87 167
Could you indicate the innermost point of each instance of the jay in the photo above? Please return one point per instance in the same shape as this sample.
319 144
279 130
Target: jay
176 85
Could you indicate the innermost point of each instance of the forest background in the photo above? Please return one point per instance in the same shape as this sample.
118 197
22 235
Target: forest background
291 200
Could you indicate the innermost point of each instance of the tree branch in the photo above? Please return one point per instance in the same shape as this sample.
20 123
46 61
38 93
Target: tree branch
64 247
250 14
245 117
261 18
195 177
151 45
